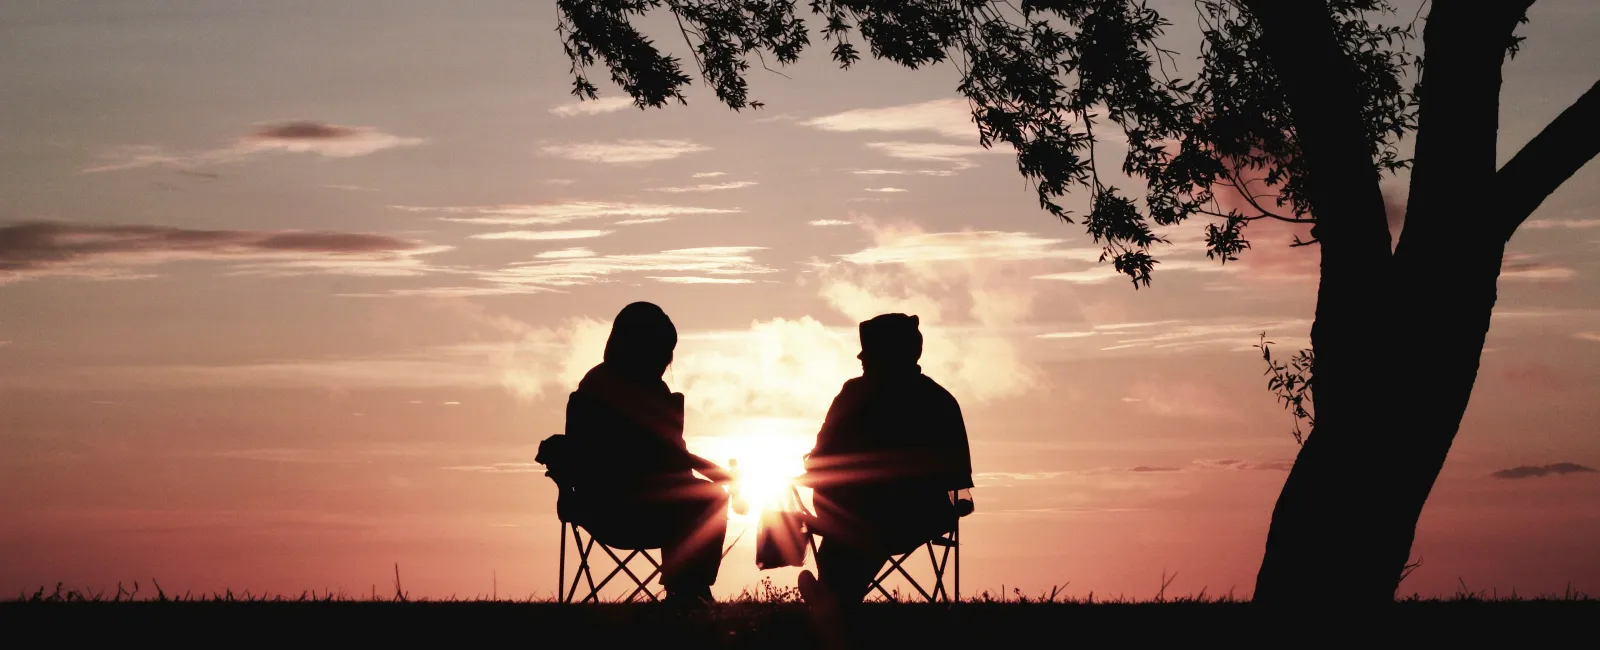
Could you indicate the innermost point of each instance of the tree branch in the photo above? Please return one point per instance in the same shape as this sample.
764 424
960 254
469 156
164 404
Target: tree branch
1458 117
1549 159
1300 39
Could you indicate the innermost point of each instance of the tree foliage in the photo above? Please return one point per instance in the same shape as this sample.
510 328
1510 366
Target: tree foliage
1047 78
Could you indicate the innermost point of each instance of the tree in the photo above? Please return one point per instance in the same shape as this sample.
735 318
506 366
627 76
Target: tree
1295 112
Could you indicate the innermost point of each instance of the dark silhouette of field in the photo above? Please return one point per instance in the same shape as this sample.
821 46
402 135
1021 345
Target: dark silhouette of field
756 624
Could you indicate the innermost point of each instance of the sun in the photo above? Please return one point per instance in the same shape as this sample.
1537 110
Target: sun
765 455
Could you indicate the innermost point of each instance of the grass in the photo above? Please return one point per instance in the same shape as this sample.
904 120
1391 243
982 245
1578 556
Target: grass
772 617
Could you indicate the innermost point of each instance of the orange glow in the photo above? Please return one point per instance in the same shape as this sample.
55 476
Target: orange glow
769 453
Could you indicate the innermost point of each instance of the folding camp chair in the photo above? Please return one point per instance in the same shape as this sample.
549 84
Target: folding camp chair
585 549
946 561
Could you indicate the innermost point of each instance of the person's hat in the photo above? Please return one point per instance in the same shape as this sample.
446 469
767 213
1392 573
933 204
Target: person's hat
891 336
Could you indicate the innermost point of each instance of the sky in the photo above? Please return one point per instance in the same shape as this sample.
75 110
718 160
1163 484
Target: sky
291 291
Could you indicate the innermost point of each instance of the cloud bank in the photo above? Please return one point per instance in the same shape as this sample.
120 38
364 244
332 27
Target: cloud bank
1539 471
301 136
592 107
705 187
554 214
624 151
111 251
945 117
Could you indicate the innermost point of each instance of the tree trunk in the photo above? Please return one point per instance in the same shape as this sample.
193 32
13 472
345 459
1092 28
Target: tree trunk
1344 524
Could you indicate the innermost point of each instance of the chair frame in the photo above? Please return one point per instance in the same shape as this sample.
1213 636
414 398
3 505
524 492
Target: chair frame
948 559
950 543
585 550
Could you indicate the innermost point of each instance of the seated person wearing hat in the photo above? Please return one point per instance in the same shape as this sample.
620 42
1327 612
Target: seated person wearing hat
888 455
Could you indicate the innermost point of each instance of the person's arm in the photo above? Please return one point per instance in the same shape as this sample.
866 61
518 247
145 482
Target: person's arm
958 450
709 469
821 454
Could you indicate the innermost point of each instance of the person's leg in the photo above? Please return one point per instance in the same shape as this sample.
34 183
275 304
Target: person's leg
699 513
846 570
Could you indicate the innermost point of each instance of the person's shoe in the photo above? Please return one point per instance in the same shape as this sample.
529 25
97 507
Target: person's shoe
812 592
824 610
693 599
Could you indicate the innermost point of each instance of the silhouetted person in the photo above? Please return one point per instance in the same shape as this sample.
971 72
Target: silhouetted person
891 450
636 487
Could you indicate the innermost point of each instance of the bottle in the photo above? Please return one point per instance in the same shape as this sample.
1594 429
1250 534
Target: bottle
739 504
962 500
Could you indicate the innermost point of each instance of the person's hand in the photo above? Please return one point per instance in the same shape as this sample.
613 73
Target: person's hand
710 470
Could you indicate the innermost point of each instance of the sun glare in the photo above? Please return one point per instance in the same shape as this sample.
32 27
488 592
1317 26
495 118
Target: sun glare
766 454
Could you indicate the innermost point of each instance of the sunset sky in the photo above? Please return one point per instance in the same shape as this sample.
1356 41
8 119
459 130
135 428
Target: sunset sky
291 291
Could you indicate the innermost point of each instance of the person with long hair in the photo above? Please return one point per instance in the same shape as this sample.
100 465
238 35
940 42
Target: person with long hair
637 488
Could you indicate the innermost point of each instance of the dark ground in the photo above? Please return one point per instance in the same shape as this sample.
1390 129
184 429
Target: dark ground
787 625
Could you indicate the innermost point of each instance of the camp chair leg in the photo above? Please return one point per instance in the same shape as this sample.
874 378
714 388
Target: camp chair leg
940 563
583 565
955 536
567 592
897 565
645 584
622 565
877 583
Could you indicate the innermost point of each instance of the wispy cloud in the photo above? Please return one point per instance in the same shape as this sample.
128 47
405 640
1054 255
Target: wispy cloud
709 174
323 139
1177 336
113 251
592 106
433 367
1237 464
551 214
562 269
887 190
1182 399
1101 273
328 140
903 172
920 247
940 152
694 279
1016 476
565 254
723 262
1567 224
705 187
946 117
829 222
1538 471
1587 336
500 468
1066 335
542 235
624 151
963 286
1524 268
638 222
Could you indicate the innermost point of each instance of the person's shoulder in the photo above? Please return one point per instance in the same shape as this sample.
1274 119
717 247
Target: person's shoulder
595 378
934 389
851 391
